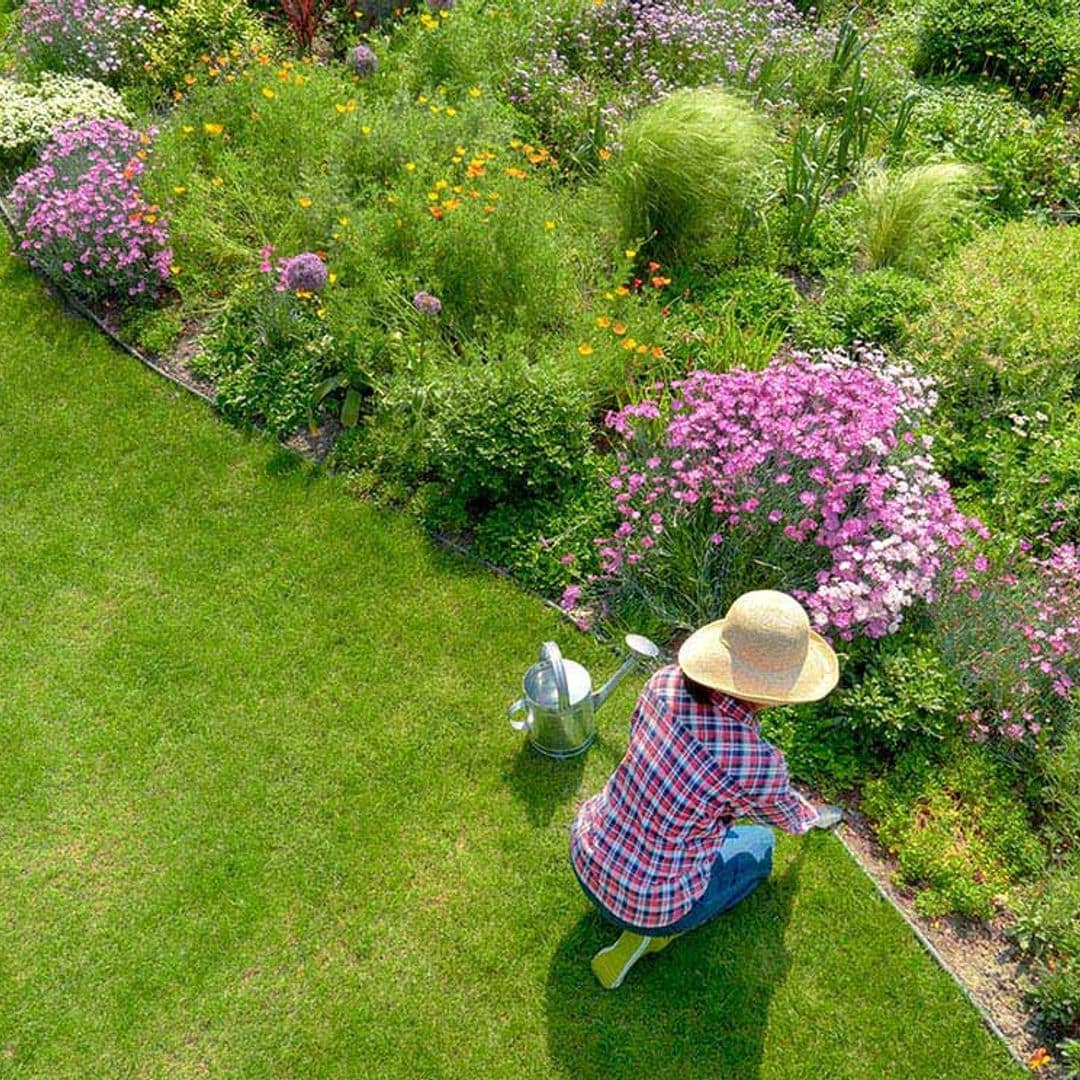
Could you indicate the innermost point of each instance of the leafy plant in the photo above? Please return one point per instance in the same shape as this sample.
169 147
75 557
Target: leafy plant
960 835
303 18
687 170
811 173
907 216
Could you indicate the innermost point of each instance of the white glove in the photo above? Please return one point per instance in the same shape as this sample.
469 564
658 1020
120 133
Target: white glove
828 816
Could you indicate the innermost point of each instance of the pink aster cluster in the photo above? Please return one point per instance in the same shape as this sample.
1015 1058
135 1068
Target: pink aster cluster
815 464
82 218
97 39
1013 634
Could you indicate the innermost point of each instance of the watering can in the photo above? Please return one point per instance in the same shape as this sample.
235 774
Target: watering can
559 702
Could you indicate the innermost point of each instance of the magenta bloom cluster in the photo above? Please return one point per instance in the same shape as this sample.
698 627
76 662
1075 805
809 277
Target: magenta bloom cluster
82 218
97 39
648 48
427 304
821 453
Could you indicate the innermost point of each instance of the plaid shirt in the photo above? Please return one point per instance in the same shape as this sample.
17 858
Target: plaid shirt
645 845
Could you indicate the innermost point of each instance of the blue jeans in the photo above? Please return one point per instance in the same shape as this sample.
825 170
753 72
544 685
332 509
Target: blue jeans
744 862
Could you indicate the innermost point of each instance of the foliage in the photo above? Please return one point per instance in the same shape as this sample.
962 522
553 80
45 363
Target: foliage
687 170
1029 159
908 694
1061 769
107 42
1003 326
30 111
818 747
877 306
82 218
808 476
268 352
960 834
507 433
1033 45
304 18
193 29
907 216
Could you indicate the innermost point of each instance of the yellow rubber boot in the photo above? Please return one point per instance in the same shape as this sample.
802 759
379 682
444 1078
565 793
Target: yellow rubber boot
611 965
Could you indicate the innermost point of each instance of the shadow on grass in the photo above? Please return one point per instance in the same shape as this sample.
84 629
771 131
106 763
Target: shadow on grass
542 784
698 1011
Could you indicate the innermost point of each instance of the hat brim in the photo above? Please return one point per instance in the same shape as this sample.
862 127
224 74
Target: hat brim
706 659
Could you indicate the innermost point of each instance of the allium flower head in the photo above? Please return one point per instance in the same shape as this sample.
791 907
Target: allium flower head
363 61
427 304
304 273
440 5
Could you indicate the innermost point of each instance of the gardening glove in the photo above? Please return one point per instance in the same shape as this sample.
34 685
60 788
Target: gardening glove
828 816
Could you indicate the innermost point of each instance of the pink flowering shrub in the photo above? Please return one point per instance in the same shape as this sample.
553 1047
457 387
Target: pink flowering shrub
809 476
103 41
82 218
1012 634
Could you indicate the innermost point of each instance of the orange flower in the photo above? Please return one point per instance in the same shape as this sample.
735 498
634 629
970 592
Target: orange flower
1040 1059
603 322
213 129
436 212
619 329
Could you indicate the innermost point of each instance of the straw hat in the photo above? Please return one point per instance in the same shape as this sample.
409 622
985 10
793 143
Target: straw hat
763 651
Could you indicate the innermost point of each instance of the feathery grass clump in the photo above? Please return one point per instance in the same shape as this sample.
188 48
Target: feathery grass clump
907 216
688 169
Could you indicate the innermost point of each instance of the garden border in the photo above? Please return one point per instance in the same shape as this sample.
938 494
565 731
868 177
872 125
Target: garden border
451 544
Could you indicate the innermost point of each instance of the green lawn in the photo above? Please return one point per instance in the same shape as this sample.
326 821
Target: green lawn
262 815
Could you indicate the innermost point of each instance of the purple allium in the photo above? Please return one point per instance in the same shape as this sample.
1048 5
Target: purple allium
304 273
363 61
427 304
440 5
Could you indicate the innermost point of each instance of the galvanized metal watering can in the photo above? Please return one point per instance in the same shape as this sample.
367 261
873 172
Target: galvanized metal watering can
559 702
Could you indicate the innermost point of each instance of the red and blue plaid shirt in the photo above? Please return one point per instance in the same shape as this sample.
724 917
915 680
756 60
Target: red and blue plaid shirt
645 845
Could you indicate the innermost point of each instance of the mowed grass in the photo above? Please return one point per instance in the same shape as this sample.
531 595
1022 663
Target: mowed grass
261 814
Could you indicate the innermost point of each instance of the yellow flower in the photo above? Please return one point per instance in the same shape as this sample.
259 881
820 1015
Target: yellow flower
304 202
456 159
365 129
609 296
343 221
475 91
603 322
515 144
451 111
216 182
549 225
268 93
179 189
642 349
622 290
516 174
605 154
585 349
213 129
332 278
629 253
189 80
213 72
174 269
441 185
422 100
187 129
409 166
628 343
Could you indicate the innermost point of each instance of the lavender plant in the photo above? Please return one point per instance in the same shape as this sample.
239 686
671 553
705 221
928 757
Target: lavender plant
82 218
811 476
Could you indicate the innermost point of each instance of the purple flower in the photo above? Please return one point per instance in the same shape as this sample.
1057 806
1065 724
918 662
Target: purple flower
440 5
304 273
427 304
363 61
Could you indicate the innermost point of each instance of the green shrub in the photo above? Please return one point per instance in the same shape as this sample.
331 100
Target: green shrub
960 835
1048 916
203 28
504 432
907 216
907 694
820 749
1031 44
1003 326
544 543
1061 767
267 353
877 306
687 170
1029 159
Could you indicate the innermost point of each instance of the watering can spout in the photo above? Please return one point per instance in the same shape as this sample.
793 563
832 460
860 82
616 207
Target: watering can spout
641 648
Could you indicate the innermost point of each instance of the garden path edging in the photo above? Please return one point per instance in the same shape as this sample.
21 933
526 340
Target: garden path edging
156 366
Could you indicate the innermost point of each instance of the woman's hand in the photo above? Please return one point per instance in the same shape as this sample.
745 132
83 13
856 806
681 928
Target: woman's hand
828 816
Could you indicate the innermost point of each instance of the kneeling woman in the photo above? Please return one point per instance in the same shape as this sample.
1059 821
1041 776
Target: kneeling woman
657 850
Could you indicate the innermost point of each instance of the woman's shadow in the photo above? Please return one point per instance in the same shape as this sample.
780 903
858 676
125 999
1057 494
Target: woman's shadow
697 1011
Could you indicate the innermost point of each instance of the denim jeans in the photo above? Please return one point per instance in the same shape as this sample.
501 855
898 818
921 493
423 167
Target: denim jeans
744 862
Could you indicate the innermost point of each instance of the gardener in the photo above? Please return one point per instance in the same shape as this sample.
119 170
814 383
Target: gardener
657 850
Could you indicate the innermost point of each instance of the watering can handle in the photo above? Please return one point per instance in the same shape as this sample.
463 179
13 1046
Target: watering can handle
519 725
550 653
